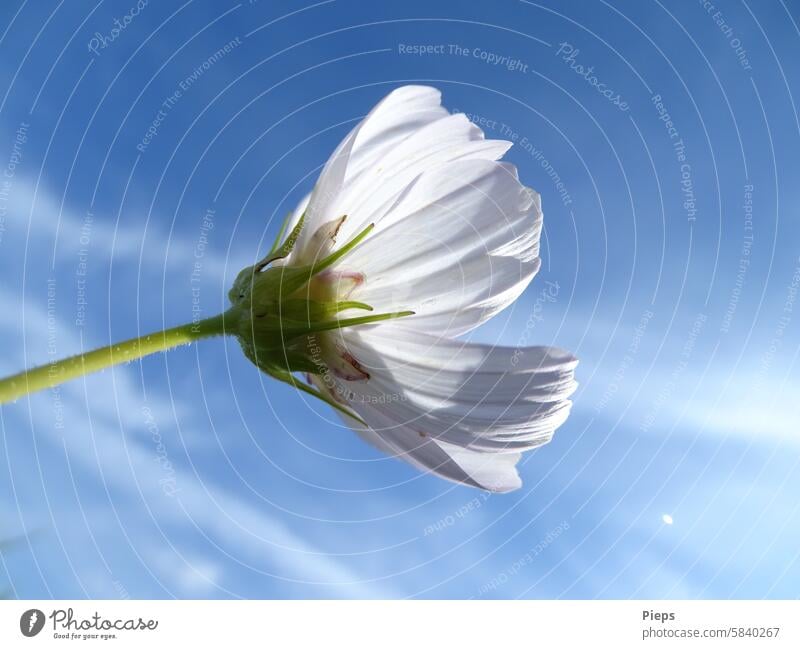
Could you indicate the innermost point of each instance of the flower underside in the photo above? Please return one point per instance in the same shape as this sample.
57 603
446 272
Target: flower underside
457 240
285 311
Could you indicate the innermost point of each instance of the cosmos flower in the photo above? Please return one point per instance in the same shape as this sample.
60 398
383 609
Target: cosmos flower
413 235
416 224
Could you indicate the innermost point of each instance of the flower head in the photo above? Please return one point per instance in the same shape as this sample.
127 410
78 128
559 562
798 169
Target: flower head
413 235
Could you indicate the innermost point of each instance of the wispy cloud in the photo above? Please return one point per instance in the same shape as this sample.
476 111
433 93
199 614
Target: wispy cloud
57 225
110 442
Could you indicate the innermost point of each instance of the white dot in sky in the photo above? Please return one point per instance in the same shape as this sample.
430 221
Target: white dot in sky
667 519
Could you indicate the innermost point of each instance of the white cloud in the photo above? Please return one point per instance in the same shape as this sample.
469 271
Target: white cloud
54 223
95 446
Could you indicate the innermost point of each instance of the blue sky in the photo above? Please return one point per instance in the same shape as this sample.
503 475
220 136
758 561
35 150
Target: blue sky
670 267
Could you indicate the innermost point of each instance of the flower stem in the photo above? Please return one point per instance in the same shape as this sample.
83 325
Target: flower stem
57 372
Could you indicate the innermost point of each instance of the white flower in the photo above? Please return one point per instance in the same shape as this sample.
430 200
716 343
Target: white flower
372 314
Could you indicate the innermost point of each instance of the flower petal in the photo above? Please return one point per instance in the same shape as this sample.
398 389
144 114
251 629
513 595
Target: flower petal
457 409
459 246
399 114
406 134
371 191
492 472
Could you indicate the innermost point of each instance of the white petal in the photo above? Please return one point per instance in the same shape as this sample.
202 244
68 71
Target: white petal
460 245
368 194
393 119
496 472
406 134
492 472
400 114
454 408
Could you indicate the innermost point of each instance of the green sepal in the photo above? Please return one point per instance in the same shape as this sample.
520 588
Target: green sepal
281 251
288 378
281 232
332 258
281 309
249 277
286 328
296 315
278 283
310 311
361 320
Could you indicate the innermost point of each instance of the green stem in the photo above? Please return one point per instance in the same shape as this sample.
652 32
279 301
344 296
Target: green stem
57 372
